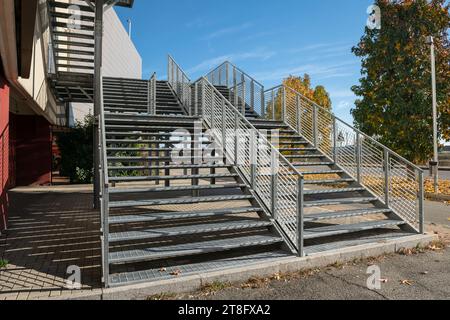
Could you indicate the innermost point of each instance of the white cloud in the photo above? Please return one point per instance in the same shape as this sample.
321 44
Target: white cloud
226 31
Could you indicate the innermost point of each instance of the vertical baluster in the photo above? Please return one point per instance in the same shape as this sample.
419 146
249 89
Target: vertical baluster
283 108
263 104
315 126
273 105
244 104
253 157
236 139
358 157
387 181
300 217
227 71
299 114
421 203
252 95
274 165
335 134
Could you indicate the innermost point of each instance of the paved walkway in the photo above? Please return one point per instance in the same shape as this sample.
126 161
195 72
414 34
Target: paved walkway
50 230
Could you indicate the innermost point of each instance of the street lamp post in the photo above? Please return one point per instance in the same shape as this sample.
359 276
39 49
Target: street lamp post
435 163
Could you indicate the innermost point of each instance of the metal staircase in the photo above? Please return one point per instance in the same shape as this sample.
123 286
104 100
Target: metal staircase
170 208
352 185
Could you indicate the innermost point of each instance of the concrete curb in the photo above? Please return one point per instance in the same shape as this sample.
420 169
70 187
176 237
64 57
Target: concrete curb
437 197
238 275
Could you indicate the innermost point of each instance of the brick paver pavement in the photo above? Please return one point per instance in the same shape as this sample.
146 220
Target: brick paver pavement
50 229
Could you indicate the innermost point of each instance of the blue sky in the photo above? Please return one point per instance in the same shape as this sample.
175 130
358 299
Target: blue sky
268 39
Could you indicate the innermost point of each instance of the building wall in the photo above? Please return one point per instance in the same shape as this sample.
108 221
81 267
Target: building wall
120 59
4 150
31 145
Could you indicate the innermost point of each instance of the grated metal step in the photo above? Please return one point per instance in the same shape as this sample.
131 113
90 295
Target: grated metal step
333 202
329 181
331 191
177 189
329 231
159 202
178 177
151 217
190 249
187 230
177 271
344 214
170 167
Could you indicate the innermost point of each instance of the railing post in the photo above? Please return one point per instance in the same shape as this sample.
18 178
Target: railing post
236 139
224 127
421 203
149 96
203 97
252 96
244 103
299 114
234 77
227 74
300 217
387 175
283 111
263 104
274 115
213 100
358 157
220 77
196 99
105 229
253 158
335 139
314 124
274 182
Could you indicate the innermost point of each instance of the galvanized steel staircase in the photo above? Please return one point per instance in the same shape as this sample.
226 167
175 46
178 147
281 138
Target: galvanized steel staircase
168 219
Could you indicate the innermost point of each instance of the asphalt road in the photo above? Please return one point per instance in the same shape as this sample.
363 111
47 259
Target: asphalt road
437 213
423 276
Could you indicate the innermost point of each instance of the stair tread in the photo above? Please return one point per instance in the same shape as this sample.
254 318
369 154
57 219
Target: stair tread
349 228
344 214
328 191
121 204
189 249
187 230
177 177
197 268
180 215
330 202
176 188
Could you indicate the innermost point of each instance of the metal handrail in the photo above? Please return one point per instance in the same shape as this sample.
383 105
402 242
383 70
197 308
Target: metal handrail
180 83
371 163
268 170
252 90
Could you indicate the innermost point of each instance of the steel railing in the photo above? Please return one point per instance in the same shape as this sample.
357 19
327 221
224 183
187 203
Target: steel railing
250 91
104 188
274 180
180 84
151 98
397 182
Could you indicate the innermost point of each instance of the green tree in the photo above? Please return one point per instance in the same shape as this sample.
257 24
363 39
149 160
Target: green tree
77 151
395 90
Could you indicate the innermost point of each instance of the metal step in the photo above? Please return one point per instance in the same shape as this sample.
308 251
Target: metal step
297 149
344 214
324 172
177 188
312 164
123 204
187 230
169 167
216 265
182 215
333 202
336 230
157 142
331 191
307 156
178 177
190 249
330 181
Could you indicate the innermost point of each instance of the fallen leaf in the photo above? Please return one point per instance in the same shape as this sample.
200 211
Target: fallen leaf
162 270
176 273
406 282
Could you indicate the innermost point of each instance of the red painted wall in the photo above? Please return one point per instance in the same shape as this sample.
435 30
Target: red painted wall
31 144
4 150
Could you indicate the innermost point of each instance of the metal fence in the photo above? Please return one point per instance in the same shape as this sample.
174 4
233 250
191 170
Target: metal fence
250 91
271 176
180 83
394 180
